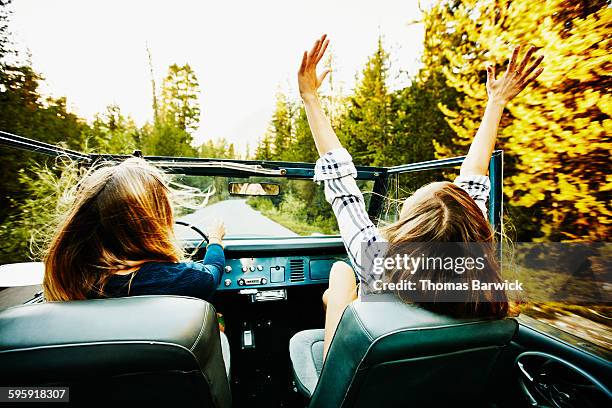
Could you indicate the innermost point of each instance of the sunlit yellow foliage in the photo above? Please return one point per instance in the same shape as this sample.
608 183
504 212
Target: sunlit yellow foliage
556 133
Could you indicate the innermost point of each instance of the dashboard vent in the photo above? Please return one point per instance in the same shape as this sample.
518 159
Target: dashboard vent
296 269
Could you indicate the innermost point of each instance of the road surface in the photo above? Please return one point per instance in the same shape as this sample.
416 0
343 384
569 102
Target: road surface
239 219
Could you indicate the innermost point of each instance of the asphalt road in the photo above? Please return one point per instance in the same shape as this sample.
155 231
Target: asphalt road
239 219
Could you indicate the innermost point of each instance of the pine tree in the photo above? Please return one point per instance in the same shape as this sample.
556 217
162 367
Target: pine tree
366 126
281 126
178 116
303 149
264 149
179 98
220 149
111 132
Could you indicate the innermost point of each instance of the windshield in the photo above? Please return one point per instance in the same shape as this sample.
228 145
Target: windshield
299 209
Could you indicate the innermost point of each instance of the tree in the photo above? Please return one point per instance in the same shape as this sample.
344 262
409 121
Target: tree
113 133
264 149
179 116
419 115
366 127
281 126
165 139
220 149
303 149
23 112
47 189
555 134
179 98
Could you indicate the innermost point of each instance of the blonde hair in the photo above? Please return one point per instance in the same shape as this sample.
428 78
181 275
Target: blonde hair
448 214
121 217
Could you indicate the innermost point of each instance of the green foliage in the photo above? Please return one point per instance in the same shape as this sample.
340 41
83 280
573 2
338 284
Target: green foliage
378 126
113 133
171 132
165 139
220 149
303 149
179 98
282 127
264 149
23 112
366 128
47 191
294 213
555 135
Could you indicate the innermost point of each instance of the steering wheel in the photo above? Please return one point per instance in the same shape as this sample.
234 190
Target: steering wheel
196 229
550 381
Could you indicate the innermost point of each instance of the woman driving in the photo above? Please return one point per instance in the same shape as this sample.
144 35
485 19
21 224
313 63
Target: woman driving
117 240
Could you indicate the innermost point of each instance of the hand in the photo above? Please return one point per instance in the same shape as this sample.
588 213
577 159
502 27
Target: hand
216 231
515 79
308 80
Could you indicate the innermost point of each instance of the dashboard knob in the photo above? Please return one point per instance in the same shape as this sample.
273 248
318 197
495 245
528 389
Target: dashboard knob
260 267
252 268
245 269
264 281
227 282
228 269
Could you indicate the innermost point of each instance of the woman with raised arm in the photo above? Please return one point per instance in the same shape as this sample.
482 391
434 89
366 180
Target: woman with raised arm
437 212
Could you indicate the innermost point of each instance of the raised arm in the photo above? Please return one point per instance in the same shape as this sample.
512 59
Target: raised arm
309 82
335 168
499 92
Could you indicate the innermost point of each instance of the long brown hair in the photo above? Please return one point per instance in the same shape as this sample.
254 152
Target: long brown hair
121 217
445 213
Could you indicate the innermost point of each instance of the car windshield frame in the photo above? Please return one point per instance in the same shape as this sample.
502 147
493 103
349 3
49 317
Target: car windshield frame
196 166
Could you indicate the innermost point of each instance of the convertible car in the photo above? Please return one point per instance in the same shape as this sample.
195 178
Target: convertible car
280 246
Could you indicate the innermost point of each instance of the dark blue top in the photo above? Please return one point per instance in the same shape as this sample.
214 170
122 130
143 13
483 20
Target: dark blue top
198 280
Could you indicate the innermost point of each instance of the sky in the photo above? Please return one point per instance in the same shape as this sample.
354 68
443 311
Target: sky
243 52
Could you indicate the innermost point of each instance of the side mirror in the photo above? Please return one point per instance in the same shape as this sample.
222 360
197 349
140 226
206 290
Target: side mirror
254 189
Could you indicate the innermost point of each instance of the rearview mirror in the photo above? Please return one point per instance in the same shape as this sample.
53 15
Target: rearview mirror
254 189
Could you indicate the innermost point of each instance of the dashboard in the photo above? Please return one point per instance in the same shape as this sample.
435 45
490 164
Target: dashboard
275 272
273 263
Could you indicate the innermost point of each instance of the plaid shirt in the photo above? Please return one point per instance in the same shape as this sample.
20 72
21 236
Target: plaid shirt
337 171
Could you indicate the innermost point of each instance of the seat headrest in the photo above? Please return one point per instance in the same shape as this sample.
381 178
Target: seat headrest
165 319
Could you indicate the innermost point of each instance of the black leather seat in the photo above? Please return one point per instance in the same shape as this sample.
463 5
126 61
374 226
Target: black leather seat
156 350
386 353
